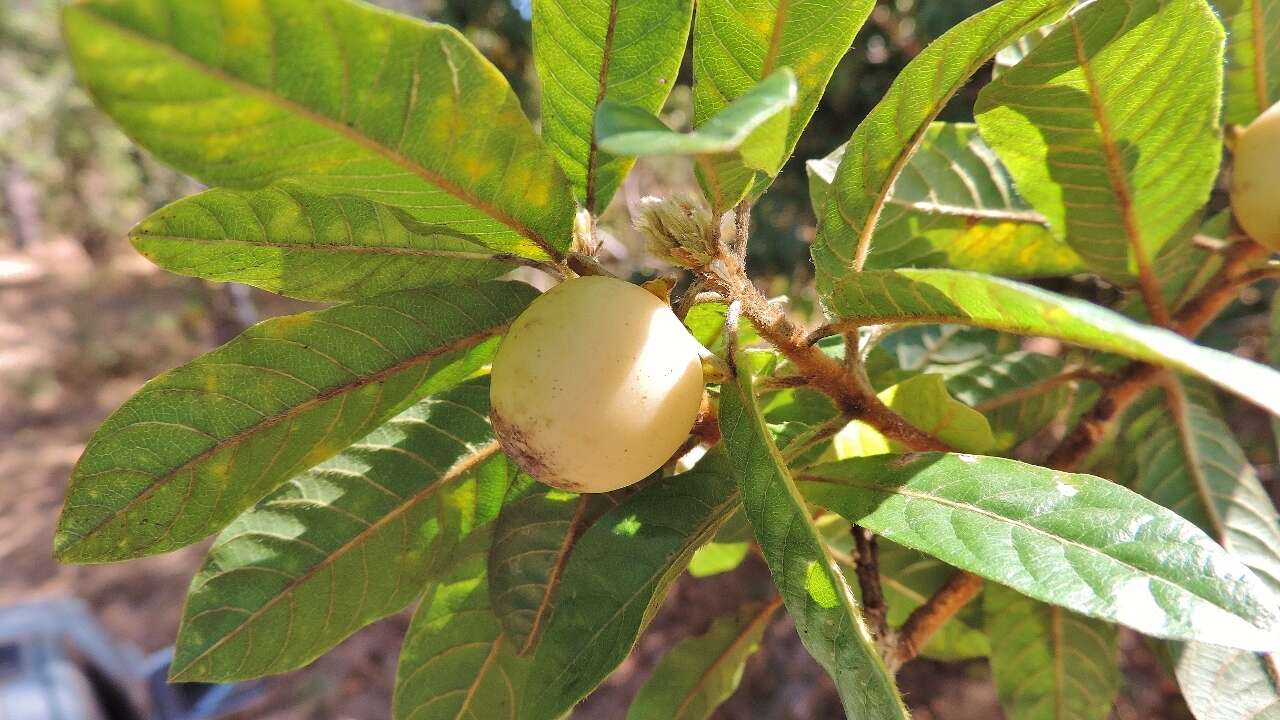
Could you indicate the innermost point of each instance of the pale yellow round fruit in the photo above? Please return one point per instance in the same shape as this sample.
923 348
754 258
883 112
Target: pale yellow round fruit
595 385
1255 179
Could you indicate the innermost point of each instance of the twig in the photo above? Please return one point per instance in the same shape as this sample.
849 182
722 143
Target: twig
584 264
741 228
927 619
1130 383
867 563
824 372
694 295
783 382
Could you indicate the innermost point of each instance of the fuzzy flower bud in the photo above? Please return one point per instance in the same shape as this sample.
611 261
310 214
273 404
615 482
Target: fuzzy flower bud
678 230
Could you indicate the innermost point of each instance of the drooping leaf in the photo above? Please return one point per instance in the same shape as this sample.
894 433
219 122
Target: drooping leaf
1110 126
738 43
1019 393
589 50
879 149
747 136
949 296
348 542
534 535
1073 540
954 205
923 401
1184 457
345 97
698 674
1253 57
1049 663
310 246
617 577
201 443
456 661
908 579
810 583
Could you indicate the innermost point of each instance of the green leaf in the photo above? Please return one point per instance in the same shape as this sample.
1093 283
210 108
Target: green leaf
724 552
884 141
456 661
1222 683
908 579
738 43
811 585
954 205
1110 126
1012 55
346 97
748 133
1184 456
617 577
941 348
201 443
590 50
923 401
1073 540
534 537
350 541
1049 663
949 296
1253 57
698 674
1019 393
705 322
310 246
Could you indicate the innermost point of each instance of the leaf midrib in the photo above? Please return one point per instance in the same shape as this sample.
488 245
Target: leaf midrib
765 613
1190 452
1118 179
460 468
654 578
965 507
335 248
161 481
553 579
1259 57
334 126
602 87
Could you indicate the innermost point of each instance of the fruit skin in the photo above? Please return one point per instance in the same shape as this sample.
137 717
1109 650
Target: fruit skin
595 385
1255 179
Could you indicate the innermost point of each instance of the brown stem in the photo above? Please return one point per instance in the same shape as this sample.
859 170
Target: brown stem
584 264
927 619
741 228
782 382
867 563
824 372
1129 384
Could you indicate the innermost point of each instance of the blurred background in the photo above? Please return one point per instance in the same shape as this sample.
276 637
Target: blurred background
84 321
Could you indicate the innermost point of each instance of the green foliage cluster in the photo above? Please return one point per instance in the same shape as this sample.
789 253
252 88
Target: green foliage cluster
384 166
